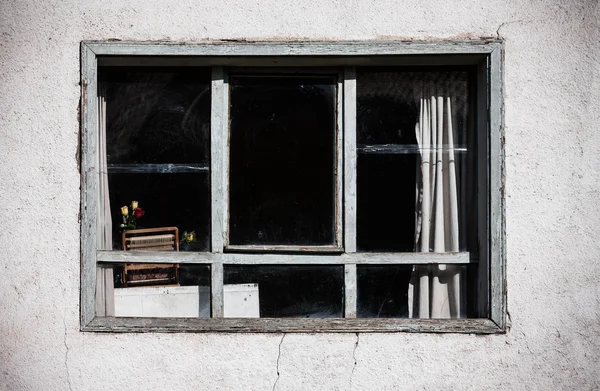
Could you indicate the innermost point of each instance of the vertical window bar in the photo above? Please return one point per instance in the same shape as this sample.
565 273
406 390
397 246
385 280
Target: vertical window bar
482 188
350 291
89 195
496 183
349 126
216 289
339 166
218 153
219 194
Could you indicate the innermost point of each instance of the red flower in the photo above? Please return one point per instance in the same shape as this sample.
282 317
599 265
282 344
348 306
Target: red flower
138 212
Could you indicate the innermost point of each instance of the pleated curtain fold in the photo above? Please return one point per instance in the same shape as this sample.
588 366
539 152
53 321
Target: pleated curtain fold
436 289
105 287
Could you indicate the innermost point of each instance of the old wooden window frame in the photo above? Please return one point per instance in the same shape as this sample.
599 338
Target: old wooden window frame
485 55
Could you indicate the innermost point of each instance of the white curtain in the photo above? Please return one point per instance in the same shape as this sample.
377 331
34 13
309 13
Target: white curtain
436 290
105 305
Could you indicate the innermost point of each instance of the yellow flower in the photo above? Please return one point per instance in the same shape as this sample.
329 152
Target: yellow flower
134 204
124 211
190 237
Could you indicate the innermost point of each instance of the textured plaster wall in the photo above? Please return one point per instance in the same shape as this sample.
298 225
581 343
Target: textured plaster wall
552 102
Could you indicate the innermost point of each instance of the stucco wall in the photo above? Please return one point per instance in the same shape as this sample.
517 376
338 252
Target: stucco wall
552 102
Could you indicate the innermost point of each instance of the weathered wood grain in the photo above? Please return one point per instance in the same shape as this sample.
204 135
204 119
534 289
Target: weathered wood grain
282 48
497 212
350 160
218 153
284 259
270 325
89 183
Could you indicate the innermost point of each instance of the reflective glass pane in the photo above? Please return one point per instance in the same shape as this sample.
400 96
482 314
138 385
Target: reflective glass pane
417 291
282 160
388 103
383 291
285 291
156 115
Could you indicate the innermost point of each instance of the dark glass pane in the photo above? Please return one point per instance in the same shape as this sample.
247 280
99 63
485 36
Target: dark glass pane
388 103
294 291
386 202
383 291
419 291
157 115
168 200
161 290
282 159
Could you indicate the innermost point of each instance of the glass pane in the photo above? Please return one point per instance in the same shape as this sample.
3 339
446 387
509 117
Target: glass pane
418 291
157 115
168 200
416 161
285 291
160 290
388 103
282 160
386 202
383 291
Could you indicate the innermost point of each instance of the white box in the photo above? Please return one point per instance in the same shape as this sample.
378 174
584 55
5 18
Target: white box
165 302
241 301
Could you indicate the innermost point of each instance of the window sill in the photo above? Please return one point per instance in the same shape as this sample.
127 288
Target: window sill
292 325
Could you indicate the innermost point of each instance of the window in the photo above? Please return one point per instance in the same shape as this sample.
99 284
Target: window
297 187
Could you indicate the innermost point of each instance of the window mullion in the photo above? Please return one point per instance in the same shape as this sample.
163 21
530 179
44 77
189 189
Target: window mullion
349 126
216 290
349 159
218 153
350 291
219 183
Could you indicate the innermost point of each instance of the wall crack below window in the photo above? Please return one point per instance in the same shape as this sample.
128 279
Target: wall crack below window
354 357
278 356
67 352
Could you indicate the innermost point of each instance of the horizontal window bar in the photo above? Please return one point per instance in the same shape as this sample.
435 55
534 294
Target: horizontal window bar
304 249
285 259
404 149
270 325
156 168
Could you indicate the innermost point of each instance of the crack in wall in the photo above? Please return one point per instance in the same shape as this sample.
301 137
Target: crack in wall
354 357
522 21
66 352
278 357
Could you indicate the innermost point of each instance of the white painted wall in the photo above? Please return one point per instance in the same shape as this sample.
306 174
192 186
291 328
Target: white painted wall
552 71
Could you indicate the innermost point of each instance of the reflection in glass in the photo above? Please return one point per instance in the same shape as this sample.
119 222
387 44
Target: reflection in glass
382 291
416 291
293 291
282 159
157 115
161 290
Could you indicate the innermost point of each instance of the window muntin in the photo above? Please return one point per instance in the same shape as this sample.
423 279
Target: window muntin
348 260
